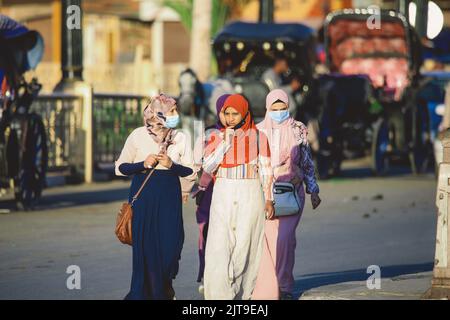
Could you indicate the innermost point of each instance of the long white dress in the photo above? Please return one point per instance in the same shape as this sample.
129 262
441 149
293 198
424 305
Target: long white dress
236 230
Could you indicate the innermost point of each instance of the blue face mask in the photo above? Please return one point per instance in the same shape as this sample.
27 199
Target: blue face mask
172 121
279 116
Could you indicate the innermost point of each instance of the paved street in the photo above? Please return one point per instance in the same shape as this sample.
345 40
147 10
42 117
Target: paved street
362 221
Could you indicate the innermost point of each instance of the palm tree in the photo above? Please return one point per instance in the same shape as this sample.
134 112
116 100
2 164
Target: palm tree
184 10
200 55
210 17
221 11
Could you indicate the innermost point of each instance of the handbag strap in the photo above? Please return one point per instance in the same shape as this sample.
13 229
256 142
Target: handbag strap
147 177
142 186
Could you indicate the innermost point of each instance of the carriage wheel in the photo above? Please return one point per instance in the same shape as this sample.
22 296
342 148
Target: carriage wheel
380 142
336 166
418 157
422 150
322 164
322 161
30 181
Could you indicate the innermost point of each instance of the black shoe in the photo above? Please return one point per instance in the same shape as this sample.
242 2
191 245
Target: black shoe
170 292
285 296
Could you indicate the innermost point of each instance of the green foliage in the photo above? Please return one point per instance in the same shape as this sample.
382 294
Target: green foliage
184 10
220 12
219 15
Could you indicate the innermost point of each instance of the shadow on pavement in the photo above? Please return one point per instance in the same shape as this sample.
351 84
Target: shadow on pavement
310 281
364 171
367 172
72 199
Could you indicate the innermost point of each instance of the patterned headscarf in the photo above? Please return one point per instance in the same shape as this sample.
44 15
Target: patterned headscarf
155 120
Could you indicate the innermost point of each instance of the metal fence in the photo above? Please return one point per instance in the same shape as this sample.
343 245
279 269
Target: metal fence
114 117
62 116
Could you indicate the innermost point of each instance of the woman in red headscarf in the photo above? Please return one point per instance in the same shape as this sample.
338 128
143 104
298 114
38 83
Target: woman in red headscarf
239 160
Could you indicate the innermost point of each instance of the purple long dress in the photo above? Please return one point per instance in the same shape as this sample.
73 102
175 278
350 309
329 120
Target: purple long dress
202 214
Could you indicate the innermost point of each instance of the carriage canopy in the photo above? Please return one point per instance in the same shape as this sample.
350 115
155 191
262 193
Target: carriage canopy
250 48
386 50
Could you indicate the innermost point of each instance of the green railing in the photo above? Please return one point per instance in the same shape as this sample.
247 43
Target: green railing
114 117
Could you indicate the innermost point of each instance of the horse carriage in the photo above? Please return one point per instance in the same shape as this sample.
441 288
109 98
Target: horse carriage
367 104
243 51
23 141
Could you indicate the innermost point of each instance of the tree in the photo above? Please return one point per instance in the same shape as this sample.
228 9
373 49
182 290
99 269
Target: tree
210 17
200 54
221 11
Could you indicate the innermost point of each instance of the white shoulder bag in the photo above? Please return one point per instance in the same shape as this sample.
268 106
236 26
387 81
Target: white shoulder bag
286 199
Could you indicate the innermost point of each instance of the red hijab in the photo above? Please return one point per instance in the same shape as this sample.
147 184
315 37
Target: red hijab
244 147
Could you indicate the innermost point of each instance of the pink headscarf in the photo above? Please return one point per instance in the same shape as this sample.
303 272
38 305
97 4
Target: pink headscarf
155 120
286 137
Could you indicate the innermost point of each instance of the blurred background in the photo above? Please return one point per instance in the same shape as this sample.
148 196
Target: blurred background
141 46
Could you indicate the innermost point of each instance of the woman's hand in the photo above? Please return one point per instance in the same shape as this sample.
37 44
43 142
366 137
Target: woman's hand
164 160
296 181
185 198
228 135
150 161
315 200
270 210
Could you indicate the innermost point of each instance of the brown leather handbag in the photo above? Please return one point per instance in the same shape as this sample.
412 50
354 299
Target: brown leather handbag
123 221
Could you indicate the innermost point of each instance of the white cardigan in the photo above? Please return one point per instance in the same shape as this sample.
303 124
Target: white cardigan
140 144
